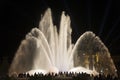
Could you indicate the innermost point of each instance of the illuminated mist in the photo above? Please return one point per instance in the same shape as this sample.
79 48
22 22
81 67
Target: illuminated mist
45 50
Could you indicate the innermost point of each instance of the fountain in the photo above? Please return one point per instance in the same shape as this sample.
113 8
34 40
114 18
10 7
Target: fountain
45 50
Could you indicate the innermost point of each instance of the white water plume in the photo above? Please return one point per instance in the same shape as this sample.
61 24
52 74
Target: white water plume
46 50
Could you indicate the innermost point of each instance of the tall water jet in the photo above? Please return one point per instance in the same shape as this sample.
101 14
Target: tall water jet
45 50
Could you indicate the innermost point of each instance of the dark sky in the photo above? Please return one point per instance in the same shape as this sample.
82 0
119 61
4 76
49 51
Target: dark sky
19 17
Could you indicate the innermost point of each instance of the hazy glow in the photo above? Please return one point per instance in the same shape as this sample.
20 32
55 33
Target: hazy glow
83 70
45 50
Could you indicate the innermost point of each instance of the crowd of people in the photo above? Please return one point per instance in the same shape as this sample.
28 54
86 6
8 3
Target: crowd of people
59 76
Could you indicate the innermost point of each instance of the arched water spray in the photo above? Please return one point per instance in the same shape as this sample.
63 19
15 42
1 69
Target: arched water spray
46 50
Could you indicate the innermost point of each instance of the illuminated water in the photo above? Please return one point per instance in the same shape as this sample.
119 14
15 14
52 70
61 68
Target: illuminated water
45 50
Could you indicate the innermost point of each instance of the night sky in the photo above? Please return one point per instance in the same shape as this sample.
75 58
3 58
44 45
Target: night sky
19 17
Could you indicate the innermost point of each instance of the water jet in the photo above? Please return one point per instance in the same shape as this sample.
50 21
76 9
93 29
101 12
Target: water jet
45 50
